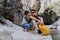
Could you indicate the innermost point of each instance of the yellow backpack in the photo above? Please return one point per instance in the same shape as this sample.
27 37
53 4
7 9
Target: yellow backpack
44 29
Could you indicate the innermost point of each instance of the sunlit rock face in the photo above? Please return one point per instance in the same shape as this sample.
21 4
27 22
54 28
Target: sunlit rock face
54 3
31 4
27 4
44 4
56 6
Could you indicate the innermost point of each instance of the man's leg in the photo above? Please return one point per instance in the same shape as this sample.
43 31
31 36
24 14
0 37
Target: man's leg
35 24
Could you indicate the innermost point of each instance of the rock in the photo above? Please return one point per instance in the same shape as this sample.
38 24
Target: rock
49 16
21 35
2 20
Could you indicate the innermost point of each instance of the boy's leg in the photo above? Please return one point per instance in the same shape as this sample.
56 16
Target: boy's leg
24 29
31 28
25 25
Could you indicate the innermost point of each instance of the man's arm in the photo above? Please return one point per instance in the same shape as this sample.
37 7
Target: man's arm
41 19
33 18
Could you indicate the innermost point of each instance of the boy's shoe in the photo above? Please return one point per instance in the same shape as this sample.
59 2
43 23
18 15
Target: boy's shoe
24 30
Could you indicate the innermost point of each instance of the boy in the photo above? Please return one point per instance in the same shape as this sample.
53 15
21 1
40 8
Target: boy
26 23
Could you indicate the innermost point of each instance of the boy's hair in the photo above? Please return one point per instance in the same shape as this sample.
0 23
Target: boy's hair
26 12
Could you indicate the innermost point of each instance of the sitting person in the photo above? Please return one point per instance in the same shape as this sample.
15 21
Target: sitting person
26 23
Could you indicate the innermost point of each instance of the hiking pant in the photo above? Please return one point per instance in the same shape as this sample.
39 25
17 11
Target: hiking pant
27 25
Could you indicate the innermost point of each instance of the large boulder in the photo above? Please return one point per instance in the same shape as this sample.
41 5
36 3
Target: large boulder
49 16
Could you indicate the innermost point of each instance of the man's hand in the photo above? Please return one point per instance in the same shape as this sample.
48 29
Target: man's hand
33 18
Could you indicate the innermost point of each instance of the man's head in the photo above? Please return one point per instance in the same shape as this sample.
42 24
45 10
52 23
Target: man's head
32 10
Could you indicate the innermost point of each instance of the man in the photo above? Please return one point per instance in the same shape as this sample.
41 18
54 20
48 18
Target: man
36 20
